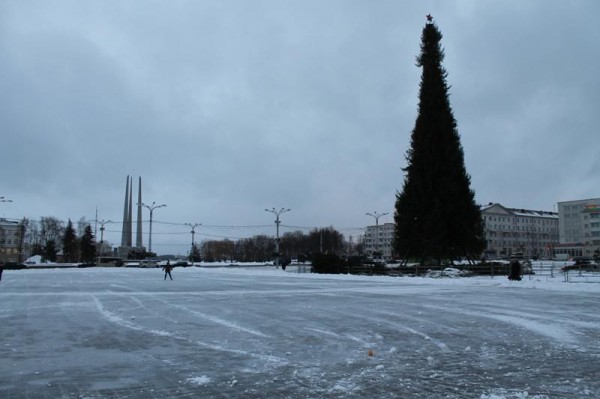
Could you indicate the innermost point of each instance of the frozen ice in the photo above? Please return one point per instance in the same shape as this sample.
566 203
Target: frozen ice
263 332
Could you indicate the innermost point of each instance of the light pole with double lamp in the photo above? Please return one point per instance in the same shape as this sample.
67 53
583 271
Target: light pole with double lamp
151 208
277 213
102 223
376 216
193 226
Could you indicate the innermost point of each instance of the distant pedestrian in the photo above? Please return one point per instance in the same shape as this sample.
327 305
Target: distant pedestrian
515 270
167 268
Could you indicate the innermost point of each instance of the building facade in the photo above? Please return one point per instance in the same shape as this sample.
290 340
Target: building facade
378 238
579 228
11 241
510 231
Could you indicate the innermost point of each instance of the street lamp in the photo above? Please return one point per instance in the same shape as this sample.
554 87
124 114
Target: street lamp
277 222
102 223
151 208
376 215
192 251
193 226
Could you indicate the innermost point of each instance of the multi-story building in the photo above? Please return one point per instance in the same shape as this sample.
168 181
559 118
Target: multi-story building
11 243
378 238
509 231
579 228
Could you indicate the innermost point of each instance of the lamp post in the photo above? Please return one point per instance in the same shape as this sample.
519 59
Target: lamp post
193 226
192 250
151 208
102 223
277 213
376 216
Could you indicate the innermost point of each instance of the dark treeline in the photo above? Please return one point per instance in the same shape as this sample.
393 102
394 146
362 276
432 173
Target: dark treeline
261 248
54 240
50 237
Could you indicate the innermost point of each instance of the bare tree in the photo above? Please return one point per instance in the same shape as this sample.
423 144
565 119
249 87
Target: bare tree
51 229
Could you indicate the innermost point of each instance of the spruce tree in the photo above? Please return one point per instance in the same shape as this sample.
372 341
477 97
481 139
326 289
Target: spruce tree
194 255
436 215
70 243
50 251
88 245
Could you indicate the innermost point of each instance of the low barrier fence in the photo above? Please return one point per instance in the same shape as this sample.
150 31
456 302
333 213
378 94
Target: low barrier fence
549 270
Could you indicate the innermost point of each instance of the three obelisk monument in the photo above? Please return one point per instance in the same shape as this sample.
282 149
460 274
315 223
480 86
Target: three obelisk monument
127 232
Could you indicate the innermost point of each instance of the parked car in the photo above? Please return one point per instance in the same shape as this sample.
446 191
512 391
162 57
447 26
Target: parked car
148 263
526 267
13 266
583 264
182 263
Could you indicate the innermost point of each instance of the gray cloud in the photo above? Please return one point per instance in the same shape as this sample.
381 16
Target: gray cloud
227 108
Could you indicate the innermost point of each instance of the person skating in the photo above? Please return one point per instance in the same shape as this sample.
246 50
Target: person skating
167 268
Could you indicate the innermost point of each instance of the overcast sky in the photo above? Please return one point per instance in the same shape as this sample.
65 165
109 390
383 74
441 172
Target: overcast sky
225 108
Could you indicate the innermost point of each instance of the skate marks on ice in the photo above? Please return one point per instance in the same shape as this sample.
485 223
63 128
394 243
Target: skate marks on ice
130 324
554 329
218 339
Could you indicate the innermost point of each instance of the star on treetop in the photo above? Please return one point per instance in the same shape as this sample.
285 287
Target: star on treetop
429 18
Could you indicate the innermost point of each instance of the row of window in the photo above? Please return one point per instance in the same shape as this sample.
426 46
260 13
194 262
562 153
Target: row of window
9 251
512 240
5 233
515 244
379 246
522 228
591 225
522 235
574 207
586 217
520 220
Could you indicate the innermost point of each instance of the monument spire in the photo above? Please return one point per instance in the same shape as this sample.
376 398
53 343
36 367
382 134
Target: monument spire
138 237
130 214
125 215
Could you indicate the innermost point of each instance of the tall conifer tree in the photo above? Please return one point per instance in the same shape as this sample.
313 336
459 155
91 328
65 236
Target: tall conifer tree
88 245
70 243
436 215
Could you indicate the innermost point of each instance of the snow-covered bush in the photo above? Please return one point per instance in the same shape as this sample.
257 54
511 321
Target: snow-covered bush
448 272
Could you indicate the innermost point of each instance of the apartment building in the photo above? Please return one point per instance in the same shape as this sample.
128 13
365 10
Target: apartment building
509 231
11 243
579 228
378 238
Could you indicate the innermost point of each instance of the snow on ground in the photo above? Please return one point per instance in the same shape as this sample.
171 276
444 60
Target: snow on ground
262 332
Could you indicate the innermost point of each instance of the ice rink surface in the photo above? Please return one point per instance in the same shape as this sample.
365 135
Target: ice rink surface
258 333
